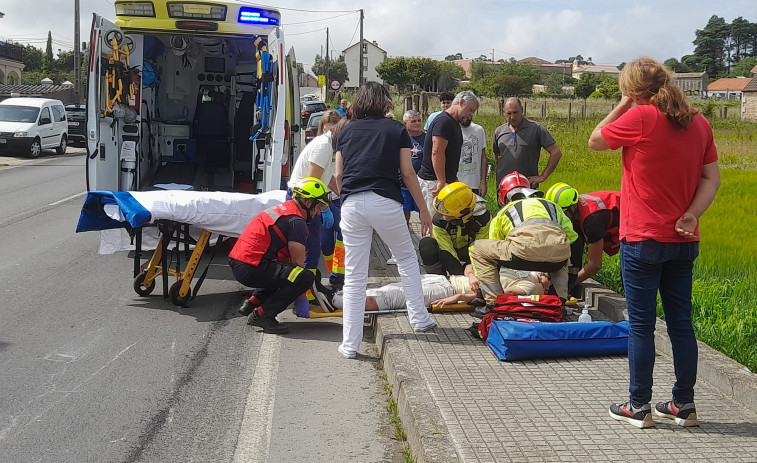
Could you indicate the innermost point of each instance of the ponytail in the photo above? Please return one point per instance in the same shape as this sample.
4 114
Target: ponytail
672 102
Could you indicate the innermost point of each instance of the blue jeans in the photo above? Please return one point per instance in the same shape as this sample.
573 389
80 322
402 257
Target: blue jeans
648 267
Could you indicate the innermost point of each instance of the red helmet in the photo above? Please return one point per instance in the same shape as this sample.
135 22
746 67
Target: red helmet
510 181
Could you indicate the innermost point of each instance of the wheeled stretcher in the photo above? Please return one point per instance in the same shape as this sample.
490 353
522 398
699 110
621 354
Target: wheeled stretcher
173 212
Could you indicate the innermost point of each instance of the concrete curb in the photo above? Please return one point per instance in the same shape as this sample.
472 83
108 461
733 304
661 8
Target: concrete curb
427 433
732 379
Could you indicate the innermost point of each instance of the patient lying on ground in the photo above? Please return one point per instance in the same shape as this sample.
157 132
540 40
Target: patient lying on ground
439 291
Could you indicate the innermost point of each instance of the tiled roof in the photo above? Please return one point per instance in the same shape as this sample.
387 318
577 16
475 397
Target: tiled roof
728 84
26 90
595 68
688 74
534 60
751 86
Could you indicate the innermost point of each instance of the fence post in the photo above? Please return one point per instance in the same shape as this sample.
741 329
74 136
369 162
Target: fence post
424 106
525 105
570 108
416 102
725 112
408 103
501 106
544 110
583 111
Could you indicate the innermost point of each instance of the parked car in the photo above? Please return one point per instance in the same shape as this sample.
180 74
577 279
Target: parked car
29 125
310 107
308 97
311 128
77 123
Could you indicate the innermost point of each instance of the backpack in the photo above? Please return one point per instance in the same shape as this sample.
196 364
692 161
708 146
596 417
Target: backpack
544 308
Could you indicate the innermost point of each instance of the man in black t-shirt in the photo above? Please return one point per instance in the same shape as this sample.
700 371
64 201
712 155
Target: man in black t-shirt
444 140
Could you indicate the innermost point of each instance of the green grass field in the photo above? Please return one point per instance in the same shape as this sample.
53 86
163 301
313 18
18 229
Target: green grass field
725 287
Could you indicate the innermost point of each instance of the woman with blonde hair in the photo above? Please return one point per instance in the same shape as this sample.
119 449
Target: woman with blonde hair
670 177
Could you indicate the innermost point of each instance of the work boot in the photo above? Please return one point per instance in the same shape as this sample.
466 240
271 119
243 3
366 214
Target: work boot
248 306
268 324
480 311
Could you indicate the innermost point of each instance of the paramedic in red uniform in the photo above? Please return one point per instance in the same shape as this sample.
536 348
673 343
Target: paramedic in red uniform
270 255
596 218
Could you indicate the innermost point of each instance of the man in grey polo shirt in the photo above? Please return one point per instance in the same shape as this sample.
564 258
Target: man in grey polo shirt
517 146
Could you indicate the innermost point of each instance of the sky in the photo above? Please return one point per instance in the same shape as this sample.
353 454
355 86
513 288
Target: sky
610 32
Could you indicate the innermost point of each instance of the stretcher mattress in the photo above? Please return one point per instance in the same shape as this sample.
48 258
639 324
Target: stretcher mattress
218 212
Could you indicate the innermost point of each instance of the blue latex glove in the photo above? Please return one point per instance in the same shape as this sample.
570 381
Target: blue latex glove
327 217
302 307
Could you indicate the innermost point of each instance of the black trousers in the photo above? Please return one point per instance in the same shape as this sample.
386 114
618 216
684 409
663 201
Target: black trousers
278 283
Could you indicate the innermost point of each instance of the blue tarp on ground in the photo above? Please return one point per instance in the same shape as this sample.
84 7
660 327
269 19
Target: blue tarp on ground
513 340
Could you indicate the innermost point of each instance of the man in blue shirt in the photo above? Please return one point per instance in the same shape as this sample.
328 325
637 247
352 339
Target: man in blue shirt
342 109
445 99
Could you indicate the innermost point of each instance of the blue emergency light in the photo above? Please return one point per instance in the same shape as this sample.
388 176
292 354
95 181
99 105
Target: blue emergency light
258 16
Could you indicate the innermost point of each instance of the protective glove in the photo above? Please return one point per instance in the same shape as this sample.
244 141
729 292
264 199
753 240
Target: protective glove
302 307
327 217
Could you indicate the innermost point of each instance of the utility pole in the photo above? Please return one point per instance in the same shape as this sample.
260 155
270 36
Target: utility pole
77 54
327 57
492 54
360 79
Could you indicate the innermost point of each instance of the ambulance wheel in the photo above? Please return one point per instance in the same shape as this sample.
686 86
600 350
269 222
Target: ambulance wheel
139 284
178 300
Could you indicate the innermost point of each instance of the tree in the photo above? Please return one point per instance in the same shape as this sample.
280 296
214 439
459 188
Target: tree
65 61
710 45
608 86
450 74
512 85
586 85
49 61
578 59
481 58
394 71
454 57
337 68
32 58
554 84
676 66
744 67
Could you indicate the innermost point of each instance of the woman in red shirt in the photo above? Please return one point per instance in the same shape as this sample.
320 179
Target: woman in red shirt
670 177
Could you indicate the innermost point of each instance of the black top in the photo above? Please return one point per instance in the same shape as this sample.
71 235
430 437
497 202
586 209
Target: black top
370 149
416 154
447 127
596 224
293 227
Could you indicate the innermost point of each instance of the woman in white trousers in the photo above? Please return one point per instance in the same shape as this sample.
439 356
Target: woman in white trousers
370 152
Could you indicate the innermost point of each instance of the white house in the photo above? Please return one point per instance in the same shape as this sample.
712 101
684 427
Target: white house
373 55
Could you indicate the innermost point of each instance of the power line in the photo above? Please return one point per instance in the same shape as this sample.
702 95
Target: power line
308 32
317 20
298 9
353 34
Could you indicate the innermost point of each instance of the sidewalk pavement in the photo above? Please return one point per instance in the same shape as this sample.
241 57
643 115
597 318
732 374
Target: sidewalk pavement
458 403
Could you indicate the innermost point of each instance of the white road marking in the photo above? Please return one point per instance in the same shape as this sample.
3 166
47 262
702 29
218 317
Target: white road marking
254 439
61 201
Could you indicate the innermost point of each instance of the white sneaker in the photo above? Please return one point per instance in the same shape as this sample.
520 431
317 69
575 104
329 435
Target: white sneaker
391 261
423 328
346 354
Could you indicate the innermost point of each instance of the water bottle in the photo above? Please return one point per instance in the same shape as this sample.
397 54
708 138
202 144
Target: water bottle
585 317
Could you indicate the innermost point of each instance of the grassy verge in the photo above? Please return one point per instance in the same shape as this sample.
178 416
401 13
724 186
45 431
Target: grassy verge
394 417
725 274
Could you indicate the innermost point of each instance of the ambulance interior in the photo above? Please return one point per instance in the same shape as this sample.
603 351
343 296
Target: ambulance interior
197 112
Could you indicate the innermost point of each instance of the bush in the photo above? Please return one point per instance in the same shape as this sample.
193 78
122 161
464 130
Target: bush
596 94
708 109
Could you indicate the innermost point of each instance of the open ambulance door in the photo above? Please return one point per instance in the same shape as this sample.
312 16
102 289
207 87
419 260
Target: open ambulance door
294 136
274 153
113 108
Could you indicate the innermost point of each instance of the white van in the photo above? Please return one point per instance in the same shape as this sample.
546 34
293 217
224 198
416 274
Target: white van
29 125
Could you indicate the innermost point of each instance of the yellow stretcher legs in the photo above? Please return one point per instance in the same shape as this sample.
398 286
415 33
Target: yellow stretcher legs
181 291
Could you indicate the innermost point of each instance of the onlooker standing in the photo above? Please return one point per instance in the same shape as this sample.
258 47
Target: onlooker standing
444 140
445 100
370 151
670 177
412 122
517 146
342 109
473 163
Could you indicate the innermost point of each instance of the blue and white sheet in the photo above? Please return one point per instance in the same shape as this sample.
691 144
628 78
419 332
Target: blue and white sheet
218 212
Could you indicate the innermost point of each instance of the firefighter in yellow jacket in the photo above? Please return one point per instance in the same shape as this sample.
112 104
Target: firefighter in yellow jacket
528 233
461 218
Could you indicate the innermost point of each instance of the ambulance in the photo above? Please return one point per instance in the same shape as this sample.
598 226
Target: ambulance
190 95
